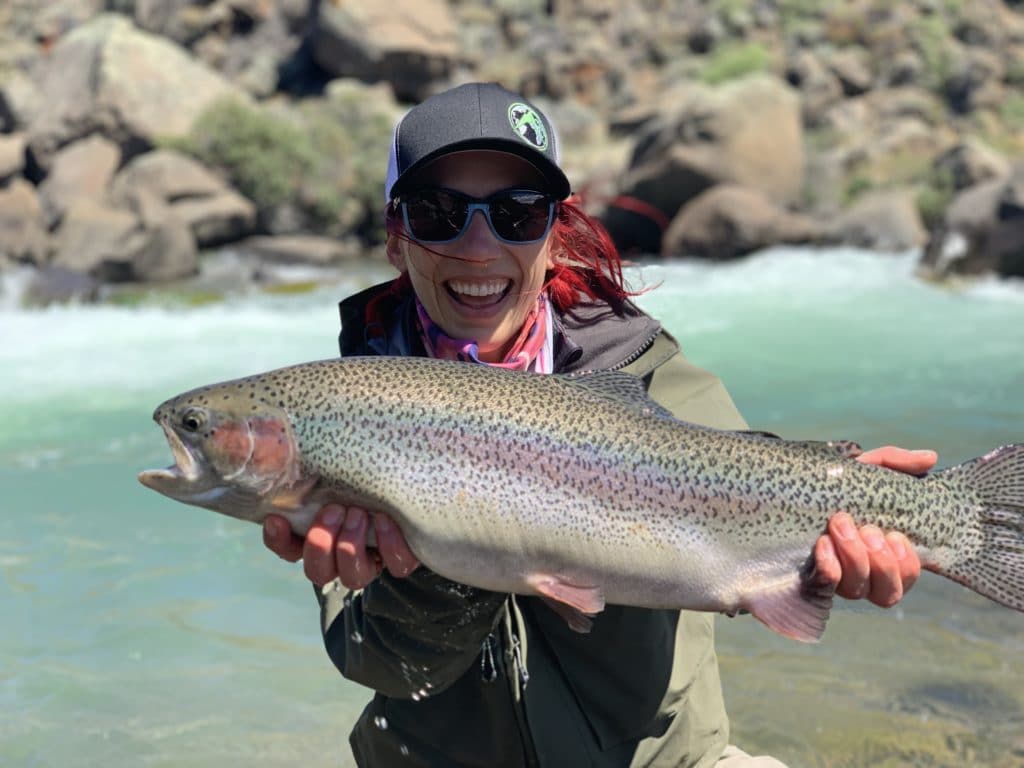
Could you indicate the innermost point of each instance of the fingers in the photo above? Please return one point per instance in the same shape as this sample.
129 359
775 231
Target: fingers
900 459
854 564
906 557
355 565
876 566
335 546
398 558
279 539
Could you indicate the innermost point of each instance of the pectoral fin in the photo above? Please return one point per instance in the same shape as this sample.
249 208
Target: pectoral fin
294 496
573 602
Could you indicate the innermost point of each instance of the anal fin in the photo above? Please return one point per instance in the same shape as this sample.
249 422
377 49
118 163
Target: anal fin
573 602
796 607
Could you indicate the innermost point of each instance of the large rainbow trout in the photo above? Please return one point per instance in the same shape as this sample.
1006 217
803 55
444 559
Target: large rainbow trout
579 489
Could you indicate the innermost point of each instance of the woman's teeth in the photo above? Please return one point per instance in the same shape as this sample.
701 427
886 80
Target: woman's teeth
478 289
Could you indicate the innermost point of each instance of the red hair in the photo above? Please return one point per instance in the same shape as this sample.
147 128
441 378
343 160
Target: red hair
588 267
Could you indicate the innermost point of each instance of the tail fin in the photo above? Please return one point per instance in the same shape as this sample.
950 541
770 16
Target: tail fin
993 564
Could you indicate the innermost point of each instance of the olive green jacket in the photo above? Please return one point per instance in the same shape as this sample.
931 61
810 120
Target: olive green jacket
465 677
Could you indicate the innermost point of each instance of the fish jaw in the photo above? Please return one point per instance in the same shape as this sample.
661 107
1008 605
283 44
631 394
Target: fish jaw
186 478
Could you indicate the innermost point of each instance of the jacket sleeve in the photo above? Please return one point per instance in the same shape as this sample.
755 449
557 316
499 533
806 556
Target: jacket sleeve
400 636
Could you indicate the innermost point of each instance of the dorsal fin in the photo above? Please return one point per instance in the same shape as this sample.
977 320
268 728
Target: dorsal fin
843 449
619 387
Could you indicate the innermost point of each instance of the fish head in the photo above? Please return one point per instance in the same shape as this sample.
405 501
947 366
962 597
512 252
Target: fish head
232 450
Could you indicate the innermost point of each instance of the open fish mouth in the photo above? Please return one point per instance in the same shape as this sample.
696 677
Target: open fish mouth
184 471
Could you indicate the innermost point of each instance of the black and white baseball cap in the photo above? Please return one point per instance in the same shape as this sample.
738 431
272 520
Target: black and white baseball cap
474 116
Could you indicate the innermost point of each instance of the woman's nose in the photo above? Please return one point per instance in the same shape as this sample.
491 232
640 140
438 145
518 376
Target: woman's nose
478 239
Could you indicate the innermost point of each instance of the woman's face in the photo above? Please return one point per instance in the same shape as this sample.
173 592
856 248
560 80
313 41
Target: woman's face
477 287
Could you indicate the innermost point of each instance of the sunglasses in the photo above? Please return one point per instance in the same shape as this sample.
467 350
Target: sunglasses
515 216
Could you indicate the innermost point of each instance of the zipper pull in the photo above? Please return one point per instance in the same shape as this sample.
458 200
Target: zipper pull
517 659
488 667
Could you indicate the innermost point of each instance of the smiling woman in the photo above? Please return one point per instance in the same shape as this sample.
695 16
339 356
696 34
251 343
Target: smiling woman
476 284
499 267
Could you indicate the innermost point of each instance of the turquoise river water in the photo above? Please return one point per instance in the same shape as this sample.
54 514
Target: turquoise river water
135 631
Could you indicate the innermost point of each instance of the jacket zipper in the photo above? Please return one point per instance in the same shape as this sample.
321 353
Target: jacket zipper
637 354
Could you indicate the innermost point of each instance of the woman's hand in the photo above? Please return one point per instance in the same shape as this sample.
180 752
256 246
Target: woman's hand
867 562
335 546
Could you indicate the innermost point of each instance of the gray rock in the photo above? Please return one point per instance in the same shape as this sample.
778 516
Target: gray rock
98 240
83 169
115 245
19 100
12 155
212 210
971 162
729 221
982 232
59 285
819 87
133 87
887 220
849 67
409 43
167 249
218 218
748 132
23 234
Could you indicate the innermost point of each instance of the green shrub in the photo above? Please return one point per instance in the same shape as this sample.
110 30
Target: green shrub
262 155
326 156
1012 111
934 197
732 61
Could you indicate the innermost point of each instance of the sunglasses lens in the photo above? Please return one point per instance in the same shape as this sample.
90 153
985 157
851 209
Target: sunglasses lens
435 215
521 216
440 215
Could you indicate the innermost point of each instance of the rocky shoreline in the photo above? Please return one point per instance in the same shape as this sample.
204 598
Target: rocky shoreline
138 135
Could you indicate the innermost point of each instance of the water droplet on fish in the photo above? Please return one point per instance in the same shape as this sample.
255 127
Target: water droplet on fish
356 637
381 722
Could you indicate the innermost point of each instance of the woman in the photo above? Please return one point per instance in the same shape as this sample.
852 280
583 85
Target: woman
468 677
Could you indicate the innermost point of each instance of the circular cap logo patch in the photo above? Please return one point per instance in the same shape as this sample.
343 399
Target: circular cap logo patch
528 125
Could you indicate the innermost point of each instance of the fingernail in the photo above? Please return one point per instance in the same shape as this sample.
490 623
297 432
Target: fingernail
354 520
923 451
872 538
331 517
845 528
383 524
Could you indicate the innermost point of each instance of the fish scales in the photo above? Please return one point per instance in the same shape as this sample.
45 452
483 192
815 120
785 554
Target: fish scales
579 489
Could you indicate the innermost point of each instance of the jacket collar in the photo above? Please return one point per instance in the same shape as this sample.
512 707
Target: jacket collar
590 337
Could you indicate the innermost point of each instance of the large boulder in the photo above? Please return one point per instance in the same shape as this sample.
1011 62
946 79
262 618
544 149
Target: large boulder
970 162
23 235
214 212
133 87
729 221
886 220
12 155
408 43
82 169
982 231
115 245
747 132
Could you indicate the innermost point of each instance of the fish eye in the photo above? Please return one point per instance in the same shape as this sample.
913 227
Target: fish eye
193 420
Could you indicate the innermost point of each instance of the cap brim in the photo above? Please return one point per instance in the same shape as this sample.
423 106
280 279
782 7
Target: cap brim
557 182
